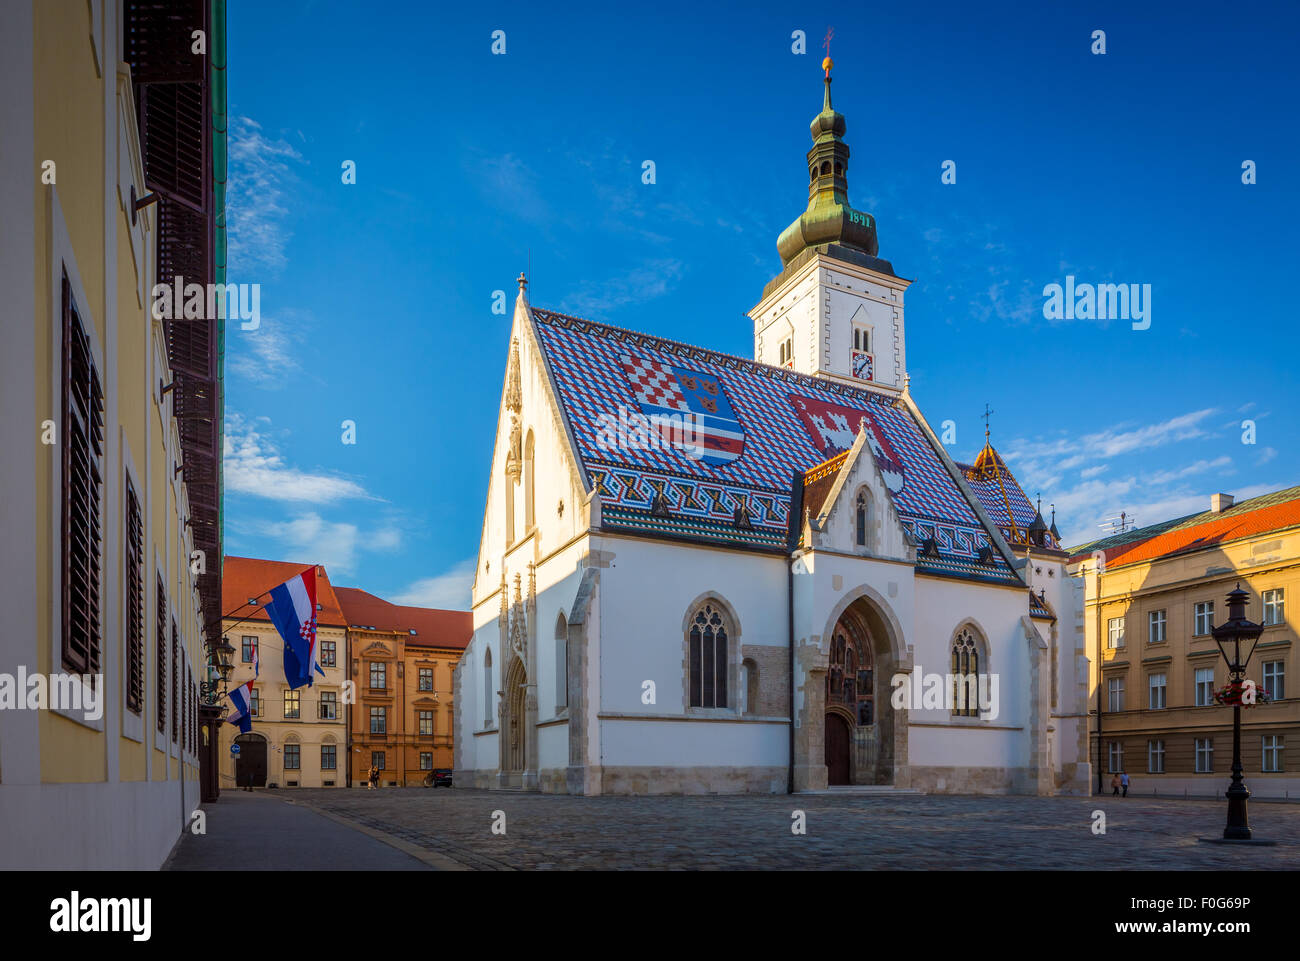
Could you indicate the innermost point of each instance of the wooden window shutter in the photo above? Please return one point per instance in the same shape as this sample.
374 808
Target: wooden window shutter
134 602
162 657
176 688
82 479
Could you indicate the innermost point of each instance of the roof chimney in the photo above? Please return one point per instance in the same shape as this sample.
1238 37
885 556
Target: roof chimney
1220 503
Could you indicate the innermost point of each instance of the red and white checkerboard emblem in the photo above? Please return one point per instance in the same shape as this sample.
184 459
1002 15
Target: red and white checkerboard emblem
654 384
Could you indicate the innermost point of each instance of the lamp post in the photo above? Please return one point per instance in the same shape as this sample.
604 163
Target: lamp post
1232 633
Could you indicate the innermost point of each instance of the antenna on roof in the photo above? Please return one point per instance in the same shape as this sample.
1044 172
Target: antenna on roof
1119 524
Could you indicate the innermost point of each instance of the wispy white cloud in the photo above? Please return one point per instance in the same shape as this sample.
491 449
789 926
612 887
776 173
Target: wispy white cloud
266 355
252 464
256 210
449 590
598 299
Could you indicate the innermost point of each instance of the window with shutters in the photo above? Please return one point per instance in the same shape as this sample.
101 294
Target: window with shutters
176 684
161 656
134 577
82 479
707 657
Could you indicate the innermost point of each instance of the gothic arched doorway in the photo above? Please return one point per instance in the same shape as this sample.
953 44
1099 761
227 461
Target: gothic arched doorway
838 747
852 735
250 762
512 721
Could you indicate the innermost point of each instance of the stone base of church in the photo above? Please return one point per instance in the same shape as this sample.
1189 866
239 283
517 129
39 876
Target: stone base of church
976 780
809 777
693 780
1075 780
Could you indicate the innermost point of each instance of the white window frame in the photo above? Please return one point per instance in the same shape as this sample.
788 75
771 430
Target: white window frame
1202 617
1115 757
1275 678
1114 694
1157 627
1274 606
63 257
1153 687
1203 686
1115 633
1156 756
1204 755
1272 746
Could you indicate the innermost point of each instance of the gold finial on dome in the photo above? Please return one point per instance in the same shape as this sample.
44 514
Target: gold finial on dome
827 64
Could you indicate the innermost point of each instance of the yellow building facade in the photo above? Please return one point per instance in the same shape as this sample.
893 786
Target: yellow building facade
1152 597
101 580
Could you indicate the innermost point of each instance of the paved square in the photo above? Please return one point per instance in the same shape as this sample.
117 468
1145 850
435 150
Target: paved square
844 831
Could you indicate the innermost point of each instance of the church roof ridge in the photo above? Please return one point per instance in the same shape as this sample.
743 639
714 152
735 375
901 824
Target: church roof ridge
697 352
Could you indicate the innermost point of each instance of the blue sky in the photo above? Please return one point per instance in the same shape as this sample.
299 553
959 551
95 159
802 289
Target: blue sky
376 296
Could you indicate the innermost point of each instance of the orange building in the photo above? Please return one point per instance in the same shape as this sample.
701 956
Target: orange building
401 661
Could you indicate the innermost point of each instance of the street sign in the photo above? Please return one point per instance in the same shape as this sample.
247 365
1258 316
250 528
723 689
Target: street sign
234 749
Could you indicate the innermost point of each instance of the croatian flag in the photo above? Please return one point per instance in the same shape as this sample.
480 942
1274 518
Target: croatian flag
292 610
241 699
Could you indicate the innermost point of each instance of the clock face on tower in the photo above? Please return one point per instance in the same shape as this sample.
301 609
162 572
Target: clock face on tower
862 366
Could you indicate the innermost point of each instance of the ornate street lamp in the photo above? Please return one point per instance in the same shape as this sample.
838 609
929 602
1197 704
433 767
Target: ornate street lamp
1231 634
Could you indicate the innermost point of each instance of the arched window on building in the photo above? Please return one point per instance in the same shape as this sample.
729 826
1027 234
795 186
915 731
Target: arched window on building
487 688
509 487
862 518
708 658
561 663
966 666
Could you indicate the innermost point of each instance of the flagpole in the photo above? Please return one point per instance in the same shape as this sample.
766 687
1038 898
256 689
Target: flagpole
253 600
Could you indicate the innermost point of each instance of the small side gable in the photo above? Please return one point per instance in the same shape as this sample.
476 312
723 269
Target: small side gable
833 523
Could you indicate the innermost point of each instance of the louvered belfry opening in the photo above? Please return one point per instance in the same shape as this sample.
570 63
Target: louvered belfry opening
134 575
173 103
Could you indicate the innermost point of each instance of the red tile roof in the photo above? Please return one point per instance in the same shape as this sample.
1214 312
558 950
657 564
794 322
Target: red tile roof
433 628
245 577
1251 518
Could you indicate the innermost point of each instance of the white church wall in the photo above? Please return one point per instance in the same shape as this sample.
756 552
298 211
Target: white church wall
648 591
943 606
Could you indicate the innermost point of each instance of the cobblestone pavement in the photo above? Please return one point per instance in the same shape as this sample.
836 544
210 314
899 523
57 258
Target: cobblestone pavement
926 832
256 830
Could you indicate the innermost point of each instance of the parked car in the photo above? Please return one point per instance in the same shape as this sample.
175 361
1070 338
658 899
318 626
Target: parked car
442 777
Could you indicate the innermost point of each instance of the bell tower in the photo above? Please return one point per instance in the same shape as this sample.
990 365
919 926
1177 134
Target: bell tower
836 308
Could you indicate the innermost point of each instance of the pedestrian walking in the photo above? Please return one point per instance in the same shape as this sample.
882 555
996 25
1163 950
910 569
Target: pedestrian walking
372 781
1123 783
1114 785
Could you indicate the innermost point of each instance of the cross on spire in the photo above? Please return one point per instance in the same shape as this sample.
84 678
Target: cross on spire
828 63
987 412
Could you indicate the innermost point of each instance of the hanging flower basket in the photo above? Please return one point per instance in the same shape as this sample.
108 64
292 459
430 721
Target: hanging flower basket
1231 695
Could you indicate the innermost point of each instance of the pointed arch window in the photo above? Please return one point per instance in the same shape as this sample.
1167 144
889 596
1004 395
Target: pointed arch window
487 688
861 518
965 674
708 639
529 482
561 663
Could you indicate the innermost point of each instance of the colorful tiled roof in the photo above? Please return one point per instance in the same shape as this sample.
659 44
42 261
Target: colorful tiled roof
432 627
250 577
1038 608
1001 495
764 419
1277 511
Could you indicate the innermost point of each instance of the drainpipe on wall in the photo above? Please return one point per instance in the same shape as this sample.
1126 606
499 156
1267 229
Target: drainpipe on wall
789 606
1101 767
